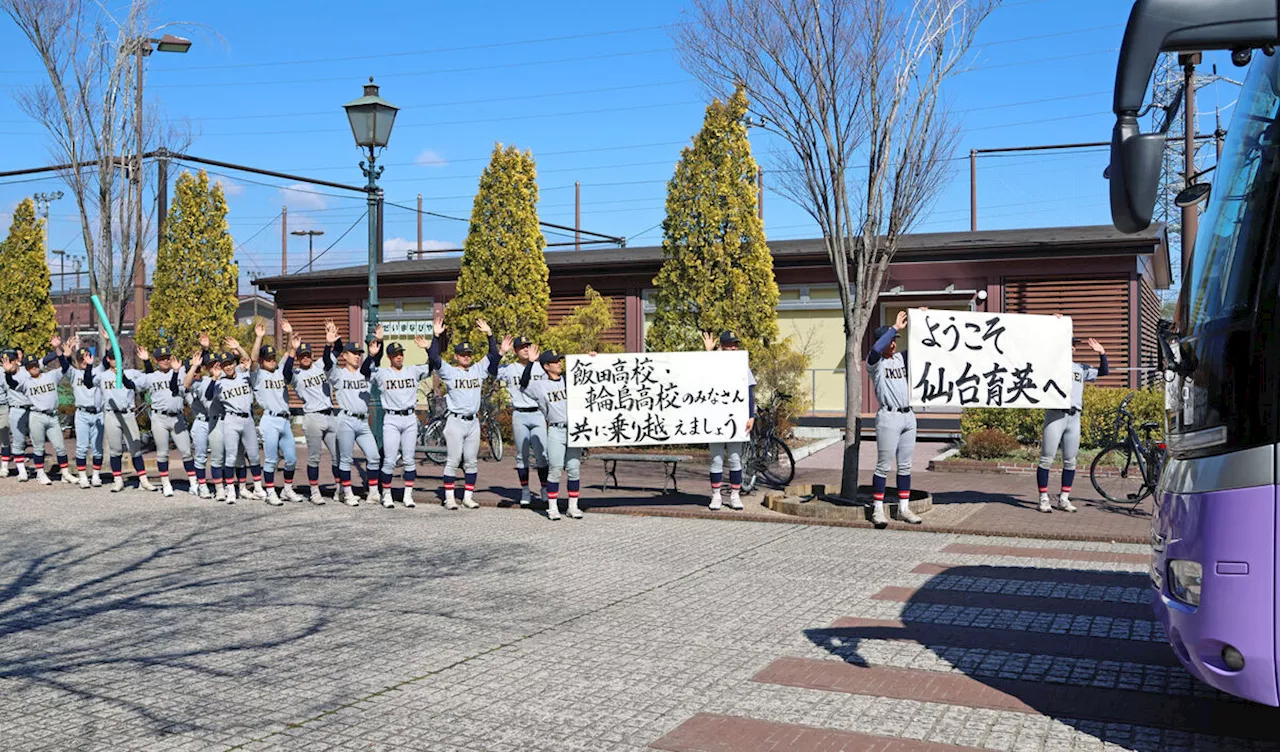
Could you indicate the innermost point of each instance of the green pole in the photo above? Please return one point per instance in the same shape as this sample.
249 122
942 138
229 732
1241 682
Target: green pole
111 335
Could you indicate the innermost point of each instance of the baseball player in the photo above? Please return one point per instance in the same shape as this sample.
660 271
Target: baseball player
895 421
163 380
311 383
41 389
1062 428
399 388
6 452
238 431
119 421
88 417
206 433
729 342
462 431
275 426
528 424
19 415
551 395
350 380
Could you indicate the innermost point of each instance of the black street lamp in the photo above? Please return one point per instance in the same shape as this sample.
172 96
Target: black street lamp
371 119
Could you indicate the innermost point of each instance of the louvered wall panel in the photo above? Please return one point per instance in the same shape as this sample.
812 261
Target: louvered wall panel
562 305
1148 319
1098 307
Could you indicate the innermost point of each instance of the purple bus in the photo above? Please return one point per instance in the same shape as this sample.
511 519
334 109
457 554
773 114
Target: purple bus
1215 532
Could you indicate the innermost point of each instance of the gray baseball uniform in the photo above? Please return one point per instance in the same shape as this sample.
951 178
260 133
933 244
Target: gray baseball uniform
528 425
42 419
734 448
465 385
399 390
88 401
119 422
351 388
312 387
168 421
1062 427
552 398
238 432
277 433
895 420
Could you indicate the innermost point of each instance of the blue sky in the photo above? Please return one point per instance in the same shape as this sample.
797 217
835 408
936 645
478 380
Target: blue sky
593 89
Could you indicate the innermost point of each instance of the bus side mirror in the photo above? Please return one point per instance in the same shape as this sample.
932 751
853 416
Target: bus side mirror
1134 173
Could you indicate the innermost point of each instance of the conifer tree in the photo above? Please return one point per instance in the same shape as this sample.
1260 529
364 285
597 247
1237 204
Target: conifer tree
29 319
196 277
717 273
504 275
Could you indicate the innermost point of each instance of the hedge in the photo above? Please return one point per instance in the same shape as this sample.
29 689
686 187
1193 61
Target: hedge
1096 424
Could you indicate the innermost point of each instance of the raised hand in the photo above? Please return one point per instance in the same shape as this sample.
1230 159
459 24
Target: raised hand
143 353
900 322
55 342
204 340
377 332
534 352
483 326
294 343
506 345
375 347
215 370
260 329
232 344
74 344
439 326
420 341
1096 346
197 358
708 341
88 359
330 332
286 327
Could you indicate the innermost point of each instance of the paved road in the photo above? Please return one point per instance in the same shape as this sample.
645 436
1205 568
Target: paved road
134 622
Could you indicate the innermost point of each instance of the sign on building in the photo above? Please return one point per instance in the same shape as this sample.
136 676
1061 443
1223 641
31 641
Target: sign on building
972 359
644 399
407 327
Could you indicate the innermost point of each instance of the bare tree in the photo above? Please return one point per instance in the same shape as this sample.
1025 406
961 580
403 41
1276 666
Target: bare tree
853 90
87 106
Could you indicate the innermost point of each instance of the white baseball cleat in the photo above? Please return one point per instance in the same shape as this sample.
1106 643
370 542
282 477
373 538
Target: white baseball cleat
469 502
526 498
316 497
117 484
408 497
22 474
906 515
715 500
1064 503
193 487
219 491
230 497
96 479
4 469
553 509
289 494
43 478
166 488
273 499
349 497
145 484
203 491
259 492
574 511
387 501
1044 503
878 518
735 499
67 477
84 480
449 501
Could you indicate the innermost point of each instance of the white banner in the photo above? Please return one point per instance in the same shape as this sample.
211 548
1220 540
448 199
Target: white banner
407 327
969 359
639 399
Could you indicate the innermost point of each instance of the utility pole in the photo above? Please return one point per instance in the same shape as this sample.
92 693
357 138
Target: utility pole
1190 214
419 226
973 190
310 236
577 216
760 193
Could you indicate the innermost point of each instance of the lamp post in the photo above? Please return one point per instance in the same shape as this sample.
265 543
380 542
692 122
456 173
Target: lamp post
371 118
310 234
142 47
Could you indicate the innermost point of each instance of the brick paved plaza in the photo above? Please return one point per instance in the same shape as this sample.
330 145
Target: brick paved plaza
135 622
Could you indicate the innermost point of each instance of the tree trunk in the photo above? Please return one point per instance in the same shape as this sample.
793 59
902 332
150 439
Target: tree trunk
852 416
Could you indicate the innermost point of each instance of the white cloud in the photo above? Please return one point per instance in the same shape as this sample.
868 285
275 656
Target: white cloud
431 158
231 188
393 248
303 196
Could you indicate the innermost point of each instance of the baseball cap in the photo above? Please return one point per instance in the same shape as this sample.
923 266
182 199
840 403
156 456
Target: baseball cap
304 349
520 342
266 352
163 351
83 352
29 361
9 353
550 356
229 357
352 347
729 338
883 330
462 348
394 349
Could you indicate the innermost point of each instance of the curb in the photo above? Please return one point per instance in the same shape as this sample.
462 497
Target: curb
811 449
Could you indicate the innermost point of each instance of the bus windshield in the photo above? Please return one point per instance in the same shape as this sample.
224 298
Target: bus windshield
1229 247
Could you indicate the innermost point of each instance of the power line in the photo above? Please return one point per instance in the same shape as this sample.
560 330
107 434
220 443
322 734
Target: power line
310 264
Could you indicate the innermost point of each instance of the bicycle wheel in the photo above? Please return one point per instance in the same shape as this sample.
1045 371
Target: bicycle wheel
431 441
1117 476
750 467
778 466
494 435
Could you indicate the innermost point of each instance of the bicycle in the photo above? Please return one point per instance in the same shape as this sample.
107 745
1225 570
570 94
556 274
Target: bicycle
490 429
767 457
1128 471
431 443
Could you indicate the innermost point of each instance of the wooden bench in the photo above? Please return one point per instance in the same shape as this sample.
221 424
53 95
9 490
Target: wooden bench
670 463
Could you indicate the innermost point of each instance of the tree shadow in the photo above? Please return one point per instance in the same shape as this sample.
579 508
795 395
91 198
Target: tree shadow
1033 636
161 627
